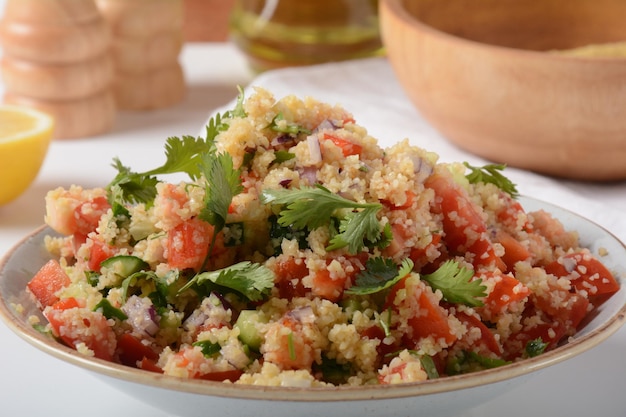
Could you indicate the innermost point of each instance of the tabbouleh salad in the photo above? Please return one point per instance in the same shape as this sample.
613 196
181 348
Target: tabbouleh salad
300 253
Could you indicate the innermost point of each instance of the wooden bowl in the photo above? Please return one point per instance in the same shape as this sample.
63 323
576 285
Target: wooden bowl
486 75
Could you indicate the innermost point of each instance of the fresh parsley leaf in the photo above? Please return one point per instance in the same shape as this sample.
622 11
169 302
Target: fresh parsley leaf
209 349
379 274
428 364
253 281
289 128
282 156
491 174
456 284
183 155
109 311
354 227
535 347
223 182
313 207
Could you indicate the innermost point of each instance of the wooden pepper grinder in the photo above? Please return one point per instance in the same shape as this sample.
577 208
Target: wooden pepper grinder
147 40
57 58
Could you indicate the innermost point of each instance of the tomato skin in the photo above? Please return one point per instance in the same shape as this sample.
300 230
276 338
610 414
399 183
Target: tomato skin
47 282
289 274
506 291
487 341
98 252
423 316
514 251
188 244
132 352
93 330
587 272
464 229
347 148
220 376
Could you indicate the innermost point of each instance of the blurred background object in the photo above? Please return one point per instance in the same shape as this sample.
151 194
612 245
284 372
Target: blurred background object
486 74
147 40
207 20
282 33
56 59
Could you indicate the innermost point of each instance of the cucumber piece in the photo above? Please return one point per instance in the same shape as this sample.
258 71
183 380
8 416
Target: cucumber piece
248 332
124 265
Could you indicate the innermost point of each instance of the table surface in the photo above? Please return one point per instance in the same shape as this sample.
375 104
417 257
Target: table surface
33 383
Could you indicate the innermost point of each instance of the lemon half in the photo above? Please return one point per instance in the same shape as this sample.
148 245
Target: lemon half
25 136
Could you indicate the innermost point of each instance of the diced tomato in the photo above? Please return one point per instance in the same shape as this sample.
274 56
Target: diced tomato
289 274
568 308
326 287
98 252
507 290
410 198
423 316
376 332
514 251
549 333
75 324
420 257
509 214
132 352
586 273
188 244
75 211
464 228
230 375
487 340
47 282
150 365
347 148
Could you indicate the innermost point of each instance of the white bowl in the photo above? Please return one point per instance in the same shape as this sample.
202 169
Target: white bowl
433 398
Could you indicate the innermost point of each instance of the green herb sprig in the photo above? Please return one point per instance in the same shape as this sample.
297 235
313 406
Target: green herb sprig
313 207
456 284
491 174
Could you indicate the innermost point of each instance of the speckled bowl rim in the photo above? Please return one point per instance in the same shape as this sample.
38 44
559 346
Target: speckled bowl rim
589 339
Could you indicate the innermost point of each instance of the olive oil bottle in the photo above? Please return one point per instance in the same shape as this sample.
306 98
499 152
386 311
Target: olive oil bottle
282 33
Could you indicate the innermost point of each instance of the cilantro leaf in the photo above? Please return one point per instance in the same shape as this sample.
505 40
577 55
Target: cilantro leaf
456 284
313 207
354 227
491 174
379 274
253 281
183 155
223 182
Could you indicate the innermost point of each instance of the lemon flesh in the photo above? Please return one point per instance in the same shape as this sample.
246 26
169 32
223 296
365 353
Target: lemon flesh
25 136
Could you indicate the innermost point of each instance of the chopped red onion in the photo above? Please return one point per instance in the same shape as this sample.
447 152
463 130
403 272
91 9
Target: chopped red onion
314 149
141 315
304 315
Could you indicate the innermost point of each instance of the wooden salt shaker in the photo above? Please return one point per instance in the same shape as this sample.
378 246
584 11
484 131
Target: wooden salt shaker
147 40
57 59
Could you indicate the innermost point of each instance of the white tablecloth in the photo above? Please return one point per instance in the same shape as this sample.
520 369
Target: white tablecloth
32 383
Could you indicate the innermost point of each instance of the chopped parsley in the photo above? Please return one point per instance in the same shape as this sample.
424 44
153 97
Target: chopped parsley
277 125
535 347
253 281
491 174
379 274
313 207
456 284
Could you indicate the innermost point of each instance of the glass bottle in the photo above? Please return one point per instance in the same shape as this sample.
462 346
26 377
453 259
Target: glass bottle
281 33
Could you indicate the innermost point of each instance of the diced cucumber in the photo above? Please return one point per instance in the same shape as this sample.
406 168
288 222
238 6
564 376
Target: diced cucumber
248 331
124 265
